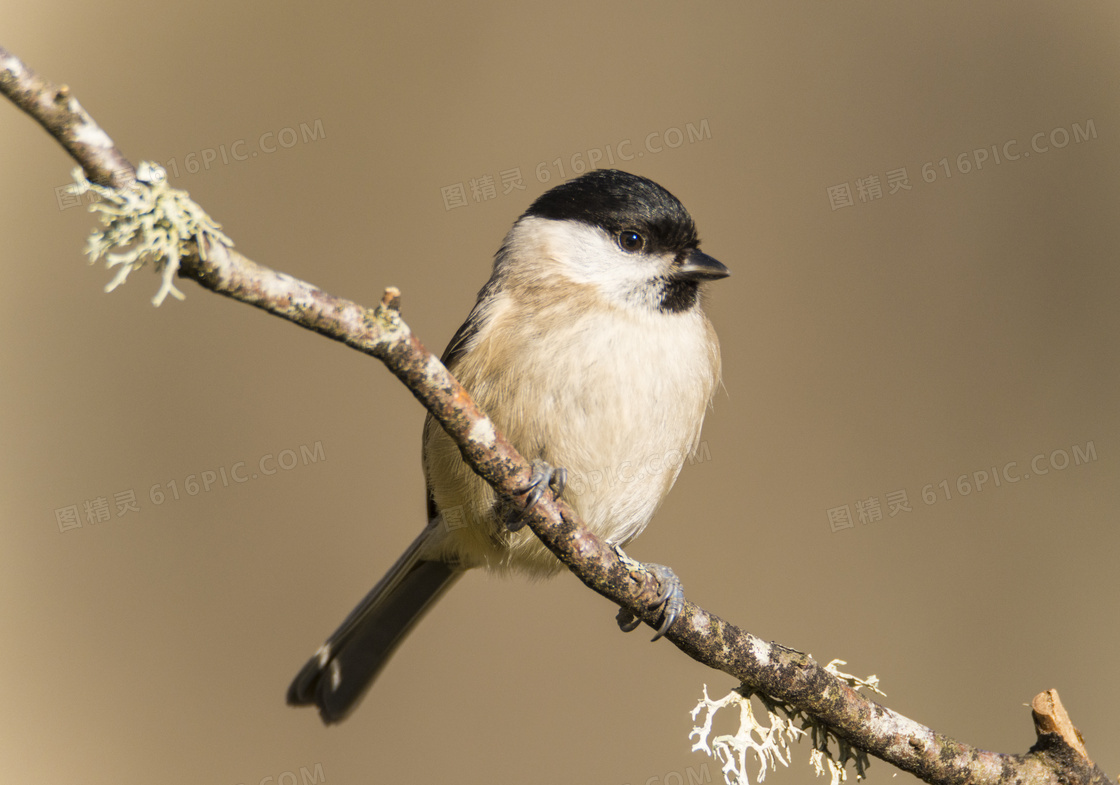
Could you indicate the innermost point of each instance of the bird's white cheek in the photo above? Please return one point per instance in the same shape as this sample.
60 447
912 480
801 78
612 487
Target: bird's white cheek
589 256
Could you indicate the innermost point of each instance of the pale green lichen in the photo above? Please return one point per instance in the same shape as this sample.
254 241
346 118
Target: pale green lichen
154 222
770 742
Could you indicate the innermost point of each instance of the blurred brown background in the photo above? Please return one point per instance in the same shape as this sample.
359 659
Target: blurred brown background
874 342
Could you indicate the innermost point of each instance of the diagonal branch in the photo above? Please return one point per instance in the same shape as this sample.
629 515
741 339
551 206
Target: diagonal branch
783 674
54 108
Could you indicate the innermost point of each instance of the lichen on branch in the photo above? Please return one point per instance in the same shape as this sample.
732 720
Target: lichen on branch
770 743
155 224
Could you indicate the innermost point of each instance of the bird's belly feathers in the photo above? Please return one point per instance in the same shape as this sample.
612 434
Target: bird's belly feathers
590 408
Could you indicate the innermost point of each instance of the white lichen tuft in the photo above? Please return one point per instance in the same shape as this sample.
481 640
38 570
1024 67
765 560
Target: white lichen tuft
156 223
855 682
770 742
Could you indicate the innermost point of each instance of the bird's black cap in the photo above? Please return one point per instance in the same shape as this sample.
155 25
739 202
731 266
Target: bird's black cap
616 200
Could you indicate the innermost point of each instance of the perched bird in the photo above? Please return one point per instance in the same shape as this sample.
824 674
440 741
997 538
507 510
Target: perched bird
589 350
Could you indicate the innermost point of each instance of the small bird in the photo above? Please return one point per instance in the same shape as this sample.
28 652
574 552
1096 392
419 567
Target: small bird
589 350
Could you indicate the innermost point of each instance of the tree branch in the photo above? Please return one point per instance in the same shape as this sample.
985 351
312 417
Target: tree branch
53 107
783 674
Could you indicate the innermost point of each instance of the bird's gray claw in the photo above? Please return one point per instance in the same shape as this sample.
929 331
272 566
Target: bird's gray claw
670 598
543 476
533 496
627 622
558 481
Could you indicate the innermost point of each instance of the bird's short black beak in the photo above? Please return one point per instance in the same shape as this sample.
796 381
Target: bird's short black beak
698 266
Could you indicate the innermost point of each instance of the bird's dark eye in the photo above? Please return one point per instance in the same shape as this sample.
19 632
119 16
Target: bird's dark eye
630 241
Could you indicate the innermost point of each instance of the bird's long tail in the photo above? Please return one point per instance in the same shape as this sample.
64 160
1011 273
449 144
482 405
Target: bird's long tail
337 677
